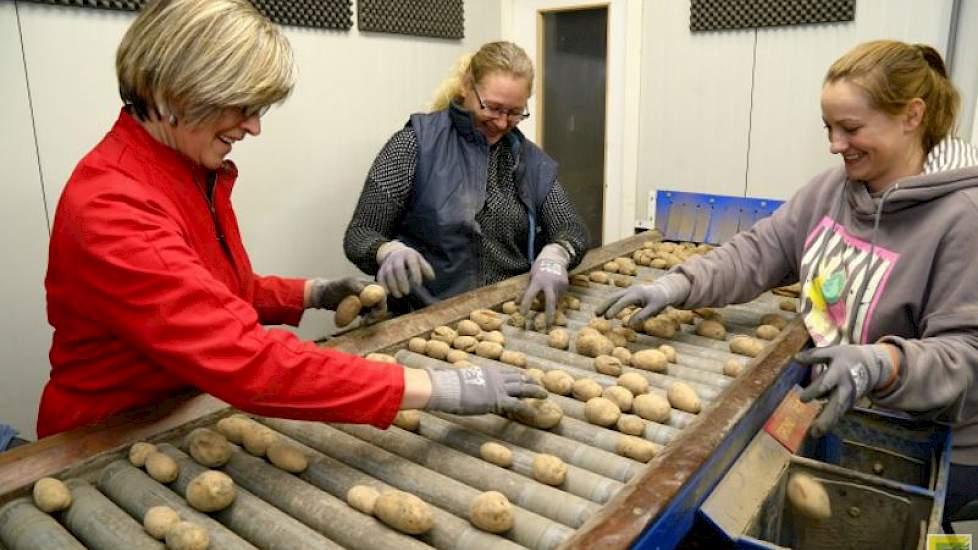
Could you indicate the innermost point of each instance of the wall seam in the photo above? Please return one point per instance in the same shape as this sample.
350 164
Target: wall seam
30 106
750 111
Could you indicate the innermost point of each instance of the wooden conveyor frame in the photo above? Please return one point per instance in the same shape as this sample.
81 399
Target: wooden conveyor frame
619 523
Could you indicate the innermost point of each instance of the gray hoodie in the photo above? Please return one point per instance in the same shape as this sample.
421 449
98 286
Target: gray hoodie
911 281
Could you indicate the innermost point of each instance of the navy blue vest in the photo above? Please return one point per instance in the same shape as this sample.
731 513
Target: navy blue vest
450 189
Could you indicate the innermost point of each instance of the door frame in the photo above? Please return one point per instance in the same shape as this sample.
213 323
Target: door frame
522 23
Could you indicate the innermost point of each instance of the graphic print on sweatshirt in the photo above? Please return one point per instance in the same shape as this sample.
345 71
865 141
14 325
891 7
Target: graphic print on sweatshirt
835 264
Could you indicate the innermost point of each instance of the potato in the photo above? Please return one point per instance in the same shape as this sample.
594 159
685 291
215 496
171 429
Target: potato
682 316
580 280
491 350
443 334
610 267
417 344
510 307
619 396
491 511
651 360
465 343
362 498
573 303
767 332
660 328
599 277
436 349
585 389
372 295
629 334
558 381
745 345
607 364
652 406
669 352
558 338
380 358
617 339
208 447
347 311
487 319
536 375
540 322
456 355
404 512
408 420
711 328
593 345
158 520
497 454
630 424
634 382
51 495
493 336
708 313
658 263
600 324
544 414
733 367
210 491
257 438
788 304
517 320
635 448
232 426
774 320
467 327
463 365
549 469
288 457
560 319
621 281
138 453
682 397
161 467
808 498
623 355
601 411
187 536
515 358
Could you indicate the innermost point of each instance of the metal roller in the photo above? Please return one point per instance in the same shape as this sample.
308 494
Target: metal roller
654 432
580 482
255 520
24 527
589 434
449 532
570 451
571 510
136 492
320 511
99 523
530 529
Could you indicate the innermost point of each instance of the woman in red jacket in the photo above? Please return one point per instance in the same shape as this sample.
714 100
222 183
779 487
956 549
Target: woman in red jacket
149 288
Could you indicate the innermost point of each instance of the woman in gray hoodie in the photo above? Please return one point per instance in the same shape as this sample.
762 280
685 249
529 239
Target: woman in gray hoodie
885 247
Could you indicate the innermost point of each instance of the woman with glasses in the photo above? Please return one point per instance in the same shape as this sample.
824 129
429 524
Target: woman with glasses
459 198
149 287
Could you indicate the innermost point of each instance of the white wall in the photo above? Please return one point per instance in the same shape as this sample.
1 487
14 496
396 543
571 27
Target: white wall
299 180
697 105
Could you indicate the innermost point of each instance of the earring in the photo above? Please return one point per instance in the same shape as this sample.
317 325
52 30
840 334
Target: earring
172 120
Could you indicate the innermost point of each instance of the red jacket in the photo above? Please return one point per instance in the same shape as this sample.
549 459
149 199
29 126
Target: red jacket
150 291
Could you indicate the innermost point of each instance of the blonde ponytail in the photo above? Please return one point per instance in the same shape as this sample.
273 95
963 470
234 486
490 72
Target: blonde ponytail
493 57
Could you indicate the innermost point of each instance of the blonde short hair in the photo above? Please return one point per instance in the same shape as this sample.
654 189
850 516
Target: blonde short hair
194 58
893 73
471 68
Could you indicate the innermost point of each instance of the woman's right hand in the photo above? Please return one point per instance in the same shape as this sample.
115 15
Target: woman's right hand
402 267
481 390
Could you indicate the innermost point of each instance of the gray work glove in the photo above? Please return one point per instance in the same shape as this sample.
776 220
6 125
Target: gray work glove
481 390
548 275
328 293
853 371
402 267
669 290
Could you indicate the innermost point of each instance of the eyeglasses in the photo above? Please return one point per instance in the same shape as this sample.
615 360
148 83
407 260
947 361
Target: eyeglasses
254 110
515 115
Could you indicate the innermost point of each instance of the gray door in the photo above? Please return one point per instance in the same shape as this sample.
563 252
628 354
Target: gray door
573 82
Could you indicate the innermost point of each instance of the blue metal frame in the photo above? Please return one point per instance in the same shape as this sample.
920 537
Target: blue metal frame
670 527
700 217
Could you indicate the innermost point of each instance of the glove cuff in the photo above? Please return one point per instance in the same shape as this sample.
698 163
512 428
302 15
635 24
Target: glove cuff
385 249
676 286
886 367
554 253
316 291
446 389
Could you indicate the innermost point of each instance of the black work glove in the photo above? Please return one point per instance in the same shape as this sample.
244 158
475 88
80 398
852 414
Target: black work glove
328 293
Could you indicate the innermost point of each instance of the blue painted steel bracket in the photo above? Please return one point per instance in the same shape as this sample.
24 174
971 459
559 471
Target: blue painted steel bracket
703 218
674 522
